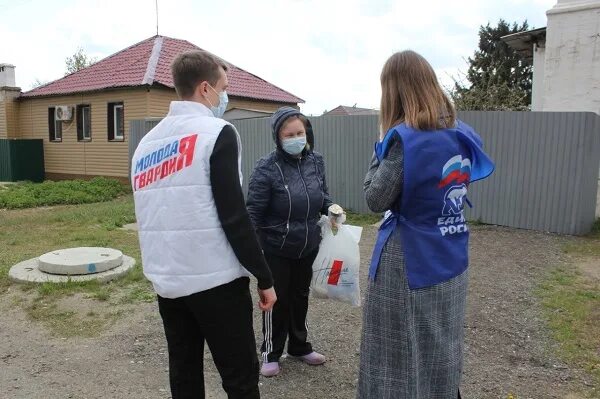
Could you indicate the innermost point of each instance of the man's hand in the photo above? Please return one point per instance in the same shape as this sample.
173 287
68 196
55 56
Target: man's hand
267 299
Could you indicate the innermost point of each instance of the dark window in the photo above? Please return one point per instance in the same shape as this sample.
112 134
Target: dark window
54 126
116 122
84 125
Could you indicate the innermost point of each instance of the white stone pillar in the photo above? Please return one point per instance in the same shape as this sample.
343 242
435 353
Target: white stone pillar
572 68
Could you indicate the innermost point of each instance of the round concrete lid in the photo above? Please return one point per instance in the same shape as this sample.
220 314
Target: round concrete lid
28 272
79 261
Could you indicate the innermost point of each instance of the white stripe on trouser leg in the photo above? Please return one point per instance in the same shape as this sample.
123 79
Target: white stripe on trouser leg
270 349
265 335
268 337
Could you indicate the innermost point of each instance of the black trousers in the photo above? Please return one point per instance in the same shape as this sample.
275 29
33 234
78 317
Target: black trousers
222 317
288 317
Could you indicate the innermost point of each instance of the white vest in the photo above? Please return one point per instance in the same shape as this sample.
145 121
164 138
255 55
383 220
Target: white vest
184 248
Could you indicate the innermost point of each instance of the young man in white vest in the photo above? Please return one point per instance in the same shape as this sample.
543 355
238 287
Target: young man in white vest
198 244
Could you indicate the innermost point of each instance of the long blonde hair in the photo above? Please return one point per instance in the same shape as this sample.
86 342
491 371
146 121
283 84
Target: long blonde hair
411 93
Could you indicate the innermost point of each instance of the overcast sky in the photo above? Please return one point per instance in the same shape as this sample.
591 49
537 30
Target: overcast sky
328 52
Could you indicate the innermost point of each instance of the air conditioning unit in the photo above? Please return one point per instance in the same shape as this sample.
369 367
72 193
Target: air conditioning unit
63 113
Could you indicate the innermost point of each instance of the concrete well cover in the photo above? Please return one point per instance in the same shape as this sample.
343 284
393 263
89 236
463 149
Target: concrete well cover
28 272
78 261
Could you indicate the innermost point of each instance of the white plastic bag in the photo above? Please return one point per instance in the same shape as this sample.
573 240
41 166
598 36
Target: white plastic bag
335 270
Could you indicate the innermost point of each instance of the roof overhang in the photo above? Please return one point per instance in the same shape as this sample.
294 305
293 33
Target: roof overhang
25 96
524 42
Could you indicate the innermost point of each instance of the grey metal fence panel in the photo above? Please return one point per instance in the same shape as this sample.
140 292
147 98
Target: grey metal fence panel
347 147
345 142
546 164
546 170
591 171
137 130
256 142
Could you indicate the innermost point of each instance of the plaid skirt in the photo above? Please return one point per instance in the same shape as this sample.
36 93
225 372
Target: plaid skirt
412 340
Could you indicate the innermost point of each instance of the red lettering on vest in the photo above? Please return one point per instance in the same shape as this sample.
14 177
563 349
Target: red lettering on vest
157 175
150 176
142 180
172 166
164 171
186 151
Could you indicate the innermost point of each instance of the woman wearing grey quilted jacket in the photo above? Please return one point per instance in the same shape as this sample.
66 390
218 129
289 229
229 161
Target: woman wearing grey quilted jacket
287 195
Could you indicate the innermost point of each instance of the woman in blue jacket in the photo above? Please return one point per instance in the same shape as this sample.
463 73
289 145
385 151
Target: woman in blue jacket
412 340
287 195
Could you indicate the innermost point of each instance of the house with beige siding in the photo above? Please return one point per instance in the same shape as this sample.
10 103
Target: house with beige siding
83 118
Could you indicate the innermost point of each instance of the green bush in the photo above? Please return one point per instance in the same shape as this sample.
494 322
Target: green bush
30 195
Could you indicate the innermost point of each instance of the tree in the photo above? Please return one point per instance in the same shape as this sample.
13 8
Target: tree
492 97
37 83
498 78
78 61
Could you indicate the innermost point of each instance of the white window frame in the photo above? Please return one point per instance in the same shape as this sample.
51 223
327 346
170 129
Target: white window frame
57 129
85 136
116 133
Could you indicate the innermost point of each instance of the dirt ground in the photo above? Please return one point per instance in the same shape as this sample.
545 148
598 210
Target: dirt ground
507 345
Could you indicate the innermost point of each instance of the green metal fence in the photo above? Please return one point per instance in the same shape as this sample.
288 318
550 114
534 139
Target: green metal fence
22 160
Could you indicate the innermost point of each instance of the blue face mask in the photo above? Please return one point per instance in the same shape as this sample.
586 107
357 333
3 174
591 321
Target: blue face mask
219 110
294 146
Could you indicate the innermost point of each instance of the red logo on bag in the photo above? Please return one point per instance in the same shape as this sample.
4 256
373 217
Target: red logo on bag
335 273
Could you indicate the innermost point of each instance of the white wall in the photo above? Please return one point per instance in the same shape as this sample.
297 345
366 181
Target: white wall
7 75
537 87
572 69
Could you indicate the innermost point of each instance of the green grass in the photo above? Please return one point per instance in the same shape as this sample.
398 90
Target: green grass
572 310
31 195
29 233
589 245
138 294
571 303
362 219
476 222
69 323
369 219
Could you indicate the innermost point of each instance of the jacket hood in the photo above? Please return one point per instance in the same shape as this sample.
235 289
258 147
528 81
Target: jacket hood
279 118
